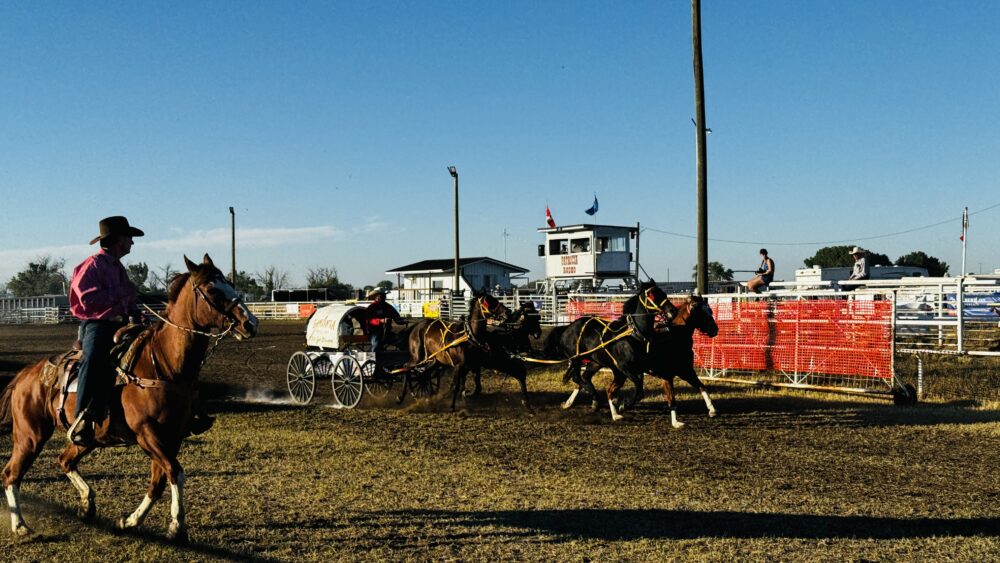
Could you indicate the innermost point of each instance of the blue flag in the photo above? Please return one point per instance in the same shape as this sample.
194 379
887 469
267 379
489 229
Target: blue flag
593 208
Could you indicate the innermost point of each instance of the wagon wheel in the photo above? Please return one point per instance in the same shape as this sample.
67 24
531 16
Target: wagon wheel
377 382
426 383
301 378
347 382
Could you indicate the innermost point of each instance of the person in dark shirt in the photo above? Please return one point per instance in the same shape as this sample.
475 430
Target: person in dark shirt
765 274
380 315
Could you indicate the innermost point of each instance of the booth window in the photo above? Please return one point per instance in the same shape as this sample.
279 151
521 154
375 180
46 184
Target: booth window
558 246
580 245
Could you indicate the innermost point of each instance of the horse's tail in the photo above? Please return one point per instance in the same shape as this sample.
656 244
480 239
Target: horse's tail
6 418
551 345
6 413
416 342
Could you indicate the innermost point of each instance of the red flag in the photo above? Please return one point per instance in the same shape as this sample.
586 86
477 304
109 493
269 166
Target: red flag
549 219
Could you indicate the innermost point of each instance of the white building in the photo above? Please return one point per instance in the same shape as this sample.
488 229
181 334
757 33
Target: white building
430 279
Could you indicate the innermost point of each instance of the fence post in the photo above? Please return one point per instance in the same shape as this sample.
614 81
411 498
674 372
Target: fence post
959 307
892 335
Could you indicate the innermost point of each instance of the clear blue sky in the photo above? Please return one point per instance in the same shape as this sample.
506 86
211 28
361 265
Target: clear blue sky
329 127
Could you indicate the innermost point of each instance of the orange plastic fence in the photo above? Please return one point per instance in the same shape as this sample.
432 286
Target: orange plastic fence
577 309
835 337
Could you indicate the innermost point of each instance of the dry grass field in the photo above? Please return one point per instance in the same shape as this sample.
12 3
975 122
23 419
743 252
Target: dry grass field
778 476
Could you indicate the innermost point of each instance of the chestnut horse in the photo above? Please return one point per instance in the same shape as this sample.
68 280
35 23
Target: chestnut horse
156 405
620 345
459 345
671 354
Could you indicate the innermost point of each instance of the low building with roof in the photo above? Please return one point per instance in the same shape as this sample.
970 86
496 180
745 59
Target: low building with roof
430 279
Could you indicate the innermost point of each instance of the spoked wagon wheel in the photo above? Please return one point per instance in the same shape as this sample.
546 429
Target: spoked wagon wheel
347 382
377 382
426 383
301 378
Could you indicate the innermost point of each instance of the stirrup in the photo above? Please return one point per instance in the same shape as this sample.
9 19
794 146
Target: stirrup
79 433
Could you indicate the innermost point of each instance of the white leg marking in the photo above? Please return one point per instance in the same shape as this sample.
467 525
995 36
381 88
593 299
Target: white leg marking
614 411
708 403
16 520
572 397
177 506
81 486
673 419
135 519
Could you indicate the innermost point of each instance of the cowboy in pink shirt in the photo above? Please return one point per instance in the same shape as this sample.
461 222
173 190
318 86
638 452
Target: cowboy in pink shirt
102 297
101 290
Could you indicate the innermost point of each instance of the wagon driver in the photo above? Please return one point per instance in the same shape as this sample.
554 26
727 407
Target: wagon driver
380 315
103 298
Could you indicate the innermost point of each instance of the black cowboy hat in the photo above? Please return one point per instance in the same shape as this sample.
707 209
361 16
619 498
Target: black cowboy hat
116 225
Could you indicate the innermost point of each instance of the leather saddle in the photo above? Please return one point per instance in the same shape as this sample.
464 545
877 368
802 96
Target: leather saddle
62 370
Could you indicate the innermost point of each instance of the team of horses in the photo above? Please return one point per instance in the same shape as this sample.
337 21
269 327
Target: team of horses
155 393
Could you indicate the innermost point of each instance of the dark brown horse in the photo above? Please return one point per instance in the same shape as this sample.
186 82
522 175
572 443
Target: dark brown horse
671 354
621 345
156 407
459 345
506 343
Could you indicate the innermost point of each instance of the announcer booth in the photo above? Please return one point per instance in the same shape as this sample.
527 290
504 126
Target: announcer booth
585 256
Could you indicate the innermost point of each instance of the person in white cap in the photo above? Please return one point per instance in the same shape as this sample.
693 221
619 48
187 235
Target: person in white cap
860 271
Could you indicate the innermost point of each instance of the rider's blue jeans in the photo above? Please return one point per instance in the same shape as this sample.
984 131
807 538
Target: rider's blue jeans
96 377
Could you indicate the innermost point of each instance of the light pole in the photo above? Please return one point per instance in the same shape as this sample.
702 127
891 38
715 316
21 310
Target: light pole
232 228
454 174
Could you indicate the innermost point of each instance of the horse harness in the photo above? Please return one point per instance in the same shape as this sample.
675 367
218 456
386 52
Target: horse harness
467 334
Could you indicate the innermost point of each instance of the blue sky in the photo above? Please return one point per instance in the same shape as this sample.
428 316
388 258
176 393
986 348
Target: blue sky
329 126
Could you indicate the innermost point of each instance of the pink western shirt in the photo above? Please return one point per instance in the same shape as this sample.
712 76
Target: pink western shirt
101 290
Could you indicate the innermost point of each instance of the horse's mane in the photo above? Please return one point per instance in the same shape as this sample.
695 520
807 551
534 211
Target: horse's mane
631 304
176 284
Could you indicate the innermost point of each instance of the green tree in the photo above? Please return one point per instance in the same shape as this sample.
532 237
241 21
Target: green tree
716 272
327 278
840 256
248 286
270 279
920 259
138 274
386 285
44 276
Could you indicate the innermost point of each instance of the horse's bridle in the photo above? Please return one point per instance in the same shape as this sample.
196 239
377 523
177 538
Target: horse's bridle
649 303
226 311
484 307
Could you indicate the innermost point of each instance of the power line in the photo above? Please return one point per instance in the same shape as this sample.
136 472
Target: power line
855 239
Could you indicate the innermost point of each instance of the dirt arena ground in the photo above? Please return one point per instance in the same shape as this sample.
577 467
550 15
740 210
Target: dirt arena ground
777 476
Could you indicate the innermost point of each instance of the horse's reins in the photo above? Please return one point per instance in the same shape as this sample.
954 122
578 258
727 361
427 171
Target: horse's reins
464 337
646 300
217 338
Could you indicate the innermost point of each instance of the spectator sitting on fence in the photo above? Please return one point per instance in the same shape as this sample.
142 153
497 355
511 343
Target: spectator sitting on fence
380 315
765 274
860 271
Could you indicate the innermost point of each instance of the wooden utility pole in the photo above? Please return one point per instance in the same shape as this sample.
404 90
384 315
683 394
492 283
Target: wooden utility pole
702 158
232 230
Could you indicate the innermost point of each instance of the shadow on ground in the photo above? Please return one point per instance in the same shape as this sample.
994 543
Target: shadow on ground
193 549
611 525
